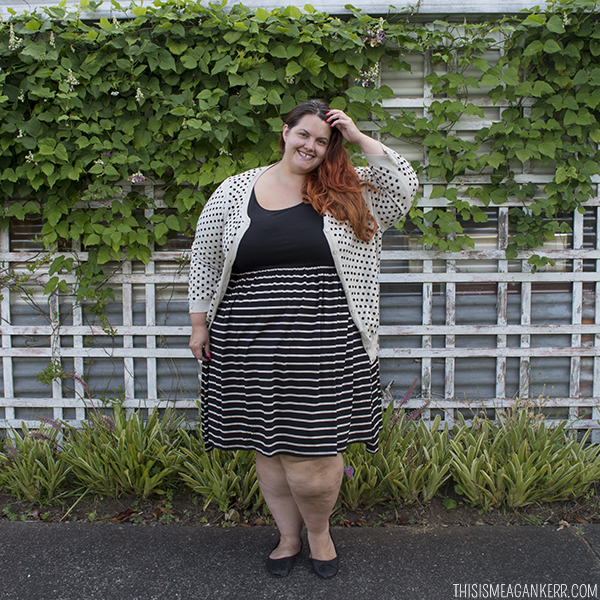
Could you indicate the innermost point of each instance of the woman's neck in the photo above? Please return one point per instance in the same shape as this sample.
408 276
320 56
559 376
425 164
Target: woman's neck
288 177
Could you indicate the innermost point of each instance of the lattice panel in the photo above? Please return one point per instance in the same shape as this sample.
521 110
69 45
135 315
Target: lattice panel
476 330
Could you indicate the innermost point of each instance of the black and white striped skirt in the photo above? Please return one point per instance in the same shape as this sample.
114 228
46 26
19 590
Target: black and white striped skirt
288 372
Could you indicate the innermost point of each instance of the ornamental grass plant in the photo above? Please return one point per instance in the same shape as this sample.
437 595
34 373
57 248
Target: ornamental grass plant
514 462
32 466
223 478
520 460
411 465
126 454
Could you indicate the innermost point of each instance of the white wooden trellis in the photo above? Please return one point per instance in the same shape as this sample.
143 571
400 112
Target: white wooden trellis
141 346
502 278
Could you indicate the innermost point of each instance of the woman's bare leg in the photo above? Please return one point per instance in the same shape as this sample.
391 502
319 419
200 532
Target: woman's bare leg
279 499
298 490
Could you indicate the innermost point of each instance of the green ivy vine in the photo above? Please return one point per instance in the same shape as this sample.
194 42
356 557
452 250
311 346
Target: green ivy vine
185 95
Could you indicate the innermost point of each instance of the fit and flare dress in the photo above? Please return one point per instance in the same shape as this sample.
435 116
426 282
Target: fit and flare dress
288 372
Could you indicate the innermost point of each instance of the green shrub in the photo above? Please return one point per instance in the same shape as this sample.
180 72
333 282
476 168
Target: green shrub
127 455
521 460
517 461
413 462
224 478
33 468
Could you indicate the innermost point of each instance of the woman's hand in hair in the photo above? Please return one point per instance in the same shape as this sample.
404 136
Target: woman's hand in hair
351 133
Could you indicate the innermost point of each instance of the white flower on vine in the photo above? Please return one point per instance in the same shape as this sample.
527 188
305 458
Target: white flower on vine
71 80
376 36
29 158
14 42
368 78
51 41
139 95
20 134
137 178
21 96
114 93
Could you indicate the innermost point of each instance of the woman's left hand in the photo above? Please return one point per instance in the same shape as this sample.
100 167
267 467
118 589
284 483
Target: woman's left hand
346 126
351 133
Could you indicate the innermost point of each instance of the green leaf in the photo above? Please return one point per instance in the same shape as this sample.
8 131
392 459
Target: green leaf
61 152
535 19
33 25
177 48
188 61
533 48
292 68
104 255
279 51
312 62
173 223
437 192
338 103
51 285
293 50
581 77
511 76
551 47
555 24
261 14
47 168
273 97
542 88
490 80
547 148
167 62
338 69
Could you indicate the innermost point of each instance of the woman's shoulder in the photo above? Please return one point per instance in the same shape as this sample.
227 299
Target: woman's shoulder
231 188
244 176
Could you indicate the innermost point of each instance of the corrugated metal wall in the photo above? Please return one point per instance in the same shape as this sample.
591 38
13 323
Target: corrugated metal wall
476 330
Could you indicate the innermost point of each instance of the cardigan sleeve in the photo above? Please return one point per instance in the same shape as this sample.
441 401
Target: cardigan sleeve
207 258
396 183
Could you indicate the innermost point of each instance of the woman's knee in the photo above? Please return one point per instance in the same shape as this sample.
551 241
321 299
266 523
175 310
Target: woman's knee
314 477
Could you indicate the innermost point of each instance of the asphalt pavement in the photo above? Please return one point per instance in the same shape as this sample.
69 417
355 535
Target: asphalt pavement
71 561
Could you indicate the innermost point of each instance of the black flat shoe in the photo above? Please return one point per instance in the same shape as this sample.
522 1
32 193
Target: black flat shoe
282 567
325 569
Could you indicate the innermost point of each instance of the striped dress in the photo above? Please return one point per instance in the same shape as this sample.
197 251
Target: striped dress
288 372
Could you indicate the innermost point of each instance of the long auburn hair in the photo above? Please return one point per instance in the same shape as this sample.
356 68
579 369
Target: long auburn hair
334 185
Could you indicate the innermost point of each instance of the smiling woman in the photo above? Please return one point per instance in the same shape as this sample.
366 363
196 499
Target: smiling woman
305 144
284 310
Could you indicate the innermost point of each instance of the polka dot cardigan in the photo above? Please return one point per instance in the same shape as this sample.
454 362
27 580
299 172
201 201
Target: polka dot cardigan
224 220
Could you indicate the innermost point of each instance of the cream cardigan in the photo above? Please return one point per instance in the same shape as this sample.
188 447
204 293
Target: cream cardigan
224 220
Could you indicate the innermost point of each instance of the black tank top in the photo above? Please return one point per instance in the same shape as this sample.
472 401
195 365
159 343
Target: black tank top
290 237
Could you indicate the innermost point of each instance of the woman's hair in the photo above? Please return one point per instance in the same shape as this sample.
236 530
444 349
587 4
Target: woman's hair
334 185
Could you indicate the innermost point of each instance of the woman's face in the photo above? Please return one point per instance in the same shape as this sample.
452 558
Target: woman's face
306 143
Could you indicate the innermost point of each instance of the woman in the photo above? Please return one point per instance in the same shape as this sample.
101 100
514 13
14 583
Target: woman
284 305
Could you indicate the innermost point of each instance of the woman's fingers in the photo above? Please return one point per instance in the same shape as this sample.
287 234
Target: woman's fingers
200 344
341 121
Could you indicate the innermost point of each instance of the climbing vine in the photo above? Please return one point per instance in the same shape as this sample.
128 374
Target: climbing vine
185 95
